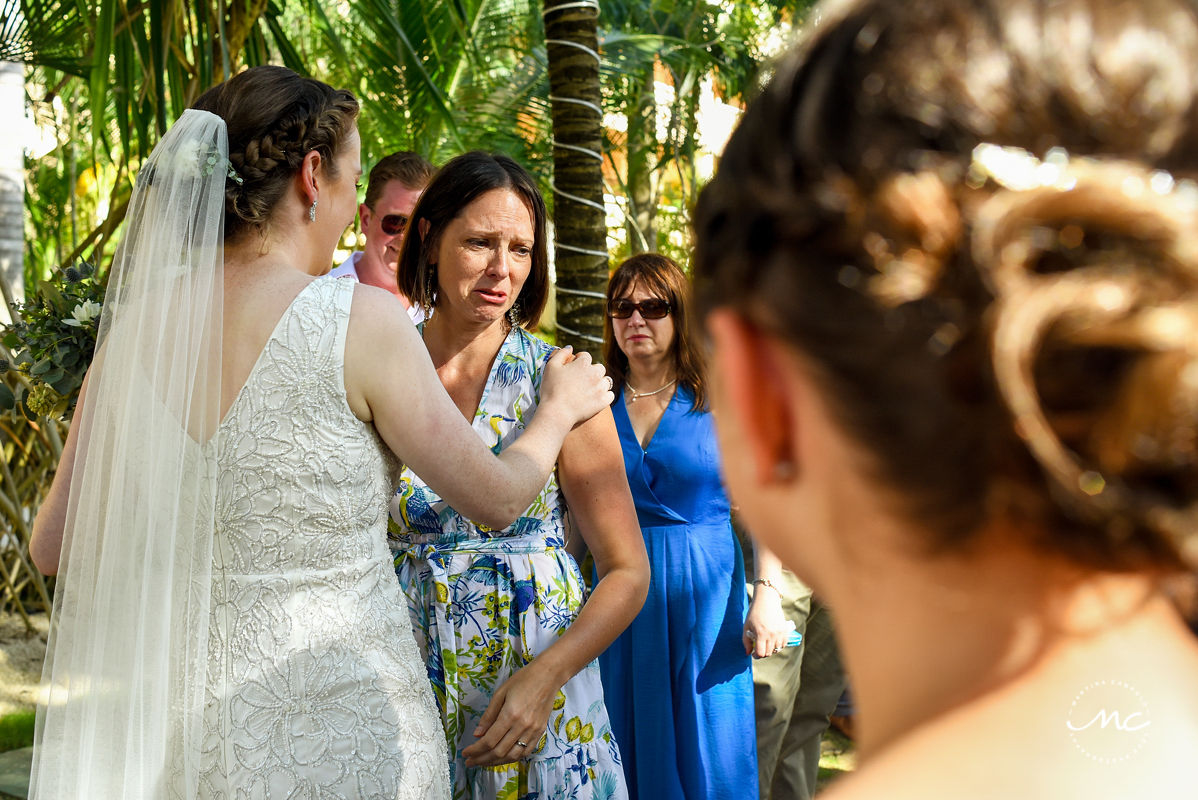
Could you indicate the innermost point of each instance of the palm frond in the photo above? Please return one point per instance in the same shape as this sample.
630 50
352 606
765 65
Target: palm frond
44 33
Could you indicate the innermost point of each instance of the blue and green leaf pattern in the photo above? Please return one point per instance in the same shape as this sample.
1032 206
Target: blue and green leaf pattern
484 602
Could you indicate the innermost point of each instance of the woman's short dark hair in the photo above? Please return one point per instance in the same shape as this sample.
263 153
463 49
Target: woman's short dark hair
664 279
274 118
990 347
456 185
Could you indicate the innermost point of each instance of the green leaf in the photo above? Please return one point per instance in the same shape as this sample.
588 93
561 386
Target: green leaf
7 400
291 57
51 296
66 385
41 367
158 44
101 50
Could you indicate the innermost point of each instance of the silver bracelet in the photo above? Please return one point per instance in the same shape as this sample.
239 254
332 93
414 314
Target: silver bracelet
769 583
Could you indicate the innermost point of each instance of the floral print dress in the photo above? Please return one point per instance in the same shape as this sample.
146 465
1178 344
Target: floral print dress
484 602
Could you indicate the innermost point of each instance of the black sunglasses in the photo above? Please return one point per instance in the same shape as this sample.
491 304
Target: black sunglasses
650 309
393 224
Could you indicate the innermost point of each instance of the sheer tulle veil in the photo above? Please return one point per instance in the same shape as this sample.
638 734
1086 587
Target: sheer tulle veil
124 681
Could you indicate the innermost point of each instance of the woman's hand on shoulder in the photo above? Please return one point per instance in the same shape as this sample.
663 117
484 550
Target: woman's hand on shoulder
574 386
390 381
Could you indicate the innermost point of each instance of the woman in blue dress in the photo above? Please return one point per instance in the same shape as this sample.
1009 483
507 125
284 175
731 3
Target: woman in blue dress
678 682
498 613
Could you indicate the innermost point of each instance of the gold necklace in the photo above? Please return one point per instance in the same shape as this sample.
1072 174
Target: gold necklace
637 395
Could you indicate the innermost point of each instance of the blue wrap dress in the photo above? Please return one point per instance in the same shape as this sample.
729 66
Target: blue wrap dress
678 684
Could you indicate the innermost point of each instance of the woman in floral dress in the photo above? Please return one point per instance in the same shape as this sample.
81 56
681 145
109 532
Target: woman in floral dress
499 614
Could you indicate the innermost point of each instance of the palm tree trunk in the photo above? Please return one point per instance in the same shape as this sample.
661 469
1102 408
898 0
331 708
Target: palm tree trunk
12 182
579 219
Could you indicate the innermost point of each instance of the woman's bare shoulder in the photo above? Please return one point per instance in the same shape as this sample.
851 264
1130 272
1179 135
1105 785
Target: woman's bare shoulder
374 305
1113 737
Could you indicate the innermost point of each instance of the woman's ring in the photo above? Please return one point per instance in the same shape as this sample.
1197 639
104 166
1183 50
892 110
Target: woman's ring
610 383
521 744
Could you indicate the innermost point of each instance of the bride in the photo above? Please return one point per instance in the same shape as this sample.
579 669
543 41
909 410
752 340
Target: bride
226 613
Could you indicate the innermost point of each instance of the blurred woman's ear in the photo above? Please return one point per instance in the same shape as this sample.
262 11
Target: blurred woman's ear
753 409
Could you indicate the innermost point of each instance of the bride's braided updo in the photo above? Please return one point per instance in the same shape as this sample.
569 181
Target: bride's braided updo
976 220
274 118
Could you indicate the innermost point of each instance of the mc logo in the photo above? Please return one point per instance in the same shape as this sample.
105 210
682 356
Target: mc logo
1108 721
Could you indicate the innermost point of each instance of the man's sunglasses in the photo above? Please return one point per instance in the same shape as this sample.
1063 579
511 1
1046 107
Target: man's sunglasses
393 224
650 309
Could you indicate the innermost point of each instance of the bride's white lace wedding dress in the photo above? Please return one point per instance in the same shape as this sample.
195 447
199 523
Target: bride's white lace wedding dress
315 687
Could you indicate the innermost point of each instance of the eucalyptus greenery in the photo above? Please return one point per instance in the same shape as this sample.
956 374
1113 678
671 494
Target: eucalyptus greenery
52 342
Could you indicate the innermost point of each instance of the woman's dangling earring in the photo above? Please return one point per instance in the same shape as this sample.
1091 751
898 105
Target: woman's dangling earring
430 283
513 315
312 211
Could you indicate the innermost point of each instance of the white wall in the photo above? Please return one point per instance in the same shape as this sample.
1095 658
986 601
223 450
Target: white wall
12 178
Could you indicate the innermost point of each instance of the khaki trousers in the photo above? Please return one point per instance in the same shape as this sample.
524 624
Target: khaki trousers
795 692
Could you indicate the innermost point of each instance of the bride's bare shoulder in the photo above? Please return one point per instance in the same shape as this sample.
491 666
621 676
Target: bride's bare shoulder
376 309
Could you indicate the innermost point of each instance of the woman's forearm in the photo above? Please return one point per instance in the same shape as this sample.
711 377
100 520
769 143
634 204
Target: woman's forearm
766 566
614 603
45 541
525 466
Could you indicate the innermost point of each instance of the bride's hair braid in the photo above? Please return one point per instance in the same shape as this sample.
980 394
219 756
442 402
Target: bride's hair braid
274 118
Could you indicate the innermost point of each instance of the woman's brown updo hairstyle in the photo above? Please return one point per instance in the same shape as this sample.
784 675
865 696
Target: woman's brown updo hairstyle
975 220
662 278
274 118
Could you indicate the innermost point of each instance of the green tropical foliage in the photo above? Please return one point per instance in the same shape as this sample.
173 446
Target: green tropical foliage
105 78
685 47
104 81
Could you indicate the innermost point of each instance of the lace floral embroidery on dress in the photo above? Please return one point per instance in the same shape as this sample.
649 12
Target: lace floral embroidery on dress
315 687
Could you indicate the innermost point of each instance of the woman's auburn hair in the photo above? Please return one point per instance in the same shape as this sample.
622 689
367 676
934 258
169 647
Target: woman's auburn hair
664 279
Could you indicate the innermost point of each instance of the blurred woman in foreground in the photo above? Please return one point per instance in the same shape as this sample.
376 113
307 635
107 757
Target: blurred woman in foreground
950 270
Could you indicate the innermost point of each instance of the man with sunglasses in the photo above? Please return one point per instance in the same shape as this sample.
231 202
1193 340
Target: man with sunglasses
394 186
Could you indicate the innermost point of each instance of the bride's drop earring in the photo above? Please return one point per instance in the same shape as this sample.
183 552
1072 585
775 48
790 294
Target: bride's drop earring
312 212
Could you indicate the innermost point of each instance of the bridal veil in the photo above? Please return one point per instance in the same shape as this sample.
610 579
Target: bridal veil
123 683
